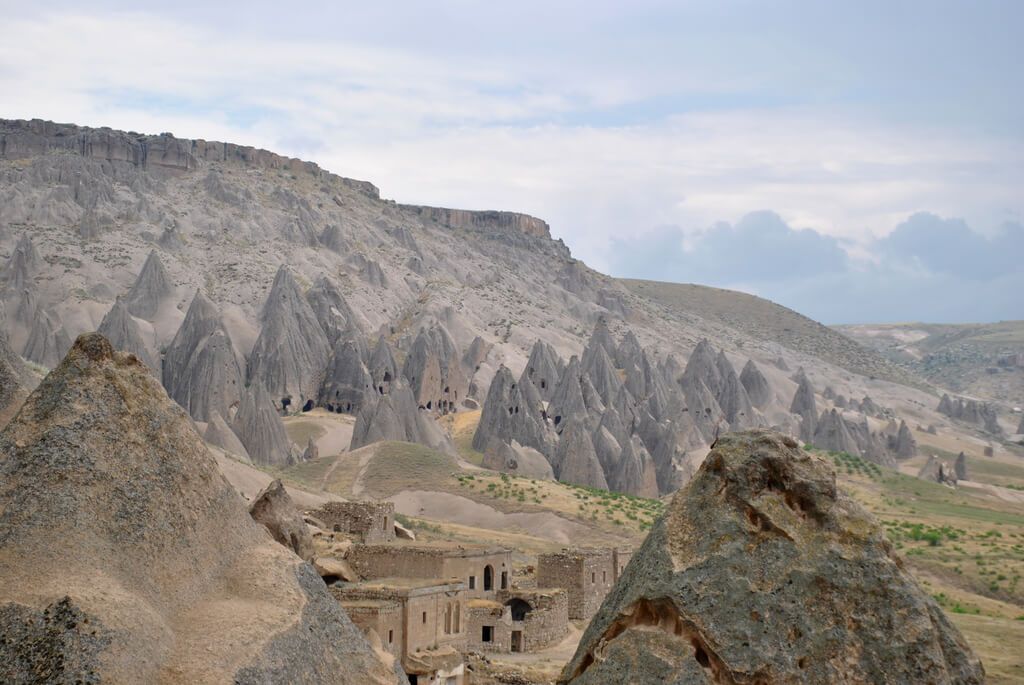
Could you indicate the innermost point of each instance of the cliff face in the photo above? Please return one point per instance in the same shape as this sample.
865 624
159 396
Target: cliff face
20 139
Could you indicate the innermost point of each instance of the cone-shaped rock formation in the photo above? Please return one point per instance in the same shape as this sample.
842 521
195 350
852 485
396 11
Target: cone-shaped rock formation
753 575
150 288
115 519
291 352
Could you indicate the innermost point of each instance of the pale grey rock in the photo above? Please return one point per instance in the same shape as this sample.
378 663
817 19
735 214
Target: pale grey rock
756 385
347 382
906 445
16 381
290 354
151 287
628 352
575 461
200 369
733 399
512 412
395 416
434 372
336 317
46 343
382 367
718 592
22 266
219 434
544 368
124 334
960 467
260 429
805 406
832 433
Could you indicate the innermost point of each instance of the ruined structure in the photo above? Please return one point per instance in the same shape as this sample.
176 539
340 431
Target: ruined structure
368 522
419 621
586 575
483 570
518 620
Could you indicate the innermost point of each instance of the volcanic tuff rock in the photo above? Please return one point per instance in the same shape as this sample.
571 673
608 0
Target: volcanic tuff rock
125 556
150 288
1020 427
219 434
291 351
511 412
805 407
275 510
395 416
763 571
544 368
575 460
960 467
433 369
46 342
347 381
756 385
971 411
22 265
200 370
16 381
260 429
905 446
124 334
336 317
936 471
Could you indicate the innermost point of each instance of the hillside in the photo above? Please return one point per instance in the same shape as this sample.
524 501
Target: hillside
764 320
981 360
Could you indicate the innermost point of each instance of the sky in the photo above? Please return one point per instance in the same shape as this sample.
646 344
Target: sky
859 162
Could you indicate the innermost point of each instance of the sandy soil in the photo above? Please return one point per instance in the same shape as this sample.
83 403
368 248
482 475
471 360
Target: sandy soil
447 507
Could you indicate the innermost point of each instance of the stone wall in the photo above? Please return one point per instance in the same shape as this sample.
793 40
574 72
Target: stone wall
485 613
368 522
384 617
546 623
587 575
411 561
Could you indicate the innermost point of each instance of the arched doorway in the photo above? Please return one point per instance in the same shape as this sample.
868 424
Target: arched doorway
488 578
519 608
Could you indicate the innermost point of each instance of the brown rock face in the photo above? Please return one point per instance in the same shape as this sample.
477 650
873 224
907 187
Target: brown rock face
277 512
762 571
126 557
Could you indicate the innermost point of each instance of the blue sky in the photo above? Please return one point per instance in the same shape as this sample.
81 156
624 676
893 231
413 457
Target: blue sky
716 132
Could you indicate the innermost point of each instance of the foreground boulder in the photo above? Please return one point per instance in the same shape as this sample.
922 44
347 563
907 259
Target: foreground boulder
762 571
125 556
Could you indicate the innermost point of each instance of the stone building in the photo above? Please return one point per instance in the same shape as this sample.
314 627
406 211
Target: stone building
586 574
483 570
422 622
518 620
369 522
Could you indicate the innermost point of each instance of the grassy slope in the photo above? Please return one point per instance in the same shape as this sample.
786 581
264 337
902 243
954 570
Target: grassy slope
766 320
965 549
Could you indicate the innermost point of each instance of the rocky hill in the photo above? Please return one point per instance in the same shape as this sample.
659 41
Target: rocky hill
981 360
